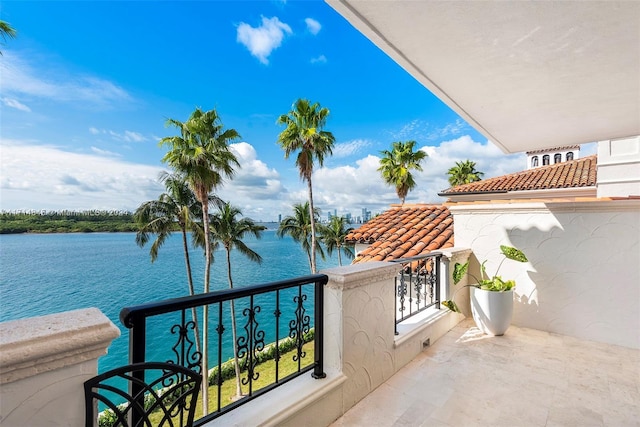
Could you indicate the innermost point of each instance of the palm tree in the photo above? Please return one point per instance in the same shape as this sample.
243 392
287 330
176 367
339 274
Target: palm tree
201 153
178 205
298 226
396 165
6 30
333 235
464 173
304 134
227 229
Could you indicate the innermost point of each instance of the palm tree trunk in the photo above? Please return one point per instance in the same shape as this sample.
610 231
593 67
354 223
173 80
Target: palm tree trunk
339 258
192 291
233 329
313 227
205 309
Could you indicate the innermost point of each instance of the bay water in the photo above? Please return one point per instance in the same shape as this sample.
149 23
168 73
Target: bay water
51 273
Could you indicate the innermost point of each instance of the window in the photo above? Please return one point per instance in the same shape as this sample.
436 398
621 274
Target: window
569 155
545 160
534 161
557 158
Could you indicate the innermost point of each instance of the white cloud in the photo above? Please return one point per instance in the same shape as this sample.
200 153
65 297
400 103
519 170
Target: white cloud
313 26
262 40
319 60
46 177
102 152
351 188
14 103
450 129
253 180
42 80
131 136
421 130
349 148
126 136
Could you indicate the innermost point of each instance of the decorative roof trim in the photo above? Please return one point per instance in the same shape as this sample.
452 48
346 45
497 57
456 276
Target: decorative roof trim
565 193
566 147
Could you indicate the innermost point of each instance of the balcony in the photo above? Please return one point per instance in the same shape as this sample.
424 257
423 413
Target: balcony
435 370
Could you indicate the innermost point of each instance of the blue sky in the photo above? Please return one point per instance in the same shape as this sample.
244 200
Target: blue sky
86 88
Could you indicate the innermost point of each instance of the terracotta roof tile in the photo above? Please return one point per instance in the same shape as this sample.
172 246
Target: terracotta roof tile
575 173
404 231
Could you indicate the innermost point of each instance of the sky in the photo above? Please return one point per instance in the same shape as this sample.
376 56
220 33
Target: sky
86 89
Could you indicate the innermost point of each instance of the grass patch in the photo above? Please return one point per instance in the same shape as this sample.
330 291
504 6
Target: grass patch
266 370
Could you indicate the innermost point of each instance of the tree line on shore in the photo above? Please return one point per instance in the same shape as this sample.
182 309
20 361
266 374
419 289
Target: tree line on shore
66 222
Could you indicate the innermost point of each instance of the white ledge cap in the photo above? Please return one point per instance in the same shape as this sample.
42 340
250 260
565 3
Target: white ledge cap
355 275
39 344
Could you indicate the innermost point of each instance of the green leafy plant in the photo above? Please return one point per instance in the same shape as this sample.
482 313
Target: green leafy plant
494 283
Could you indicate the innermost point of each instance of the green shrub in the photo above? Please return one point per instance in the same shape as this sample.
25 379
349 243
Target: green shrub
107 418
268 353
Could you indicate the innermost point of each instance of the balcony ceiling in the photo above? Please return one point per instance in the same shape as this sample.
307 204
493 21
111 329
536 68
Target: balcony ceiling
528 74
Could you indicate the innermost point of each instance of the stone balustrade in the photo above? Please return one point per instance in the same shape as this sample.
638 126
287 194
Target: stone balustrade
44 362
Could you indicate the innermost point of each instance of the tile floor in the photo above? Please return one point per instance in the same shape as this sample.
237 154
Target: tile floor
524 378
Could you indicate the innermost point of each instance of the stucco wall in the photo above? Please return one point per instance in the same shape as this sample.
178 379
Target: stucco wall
44 362
619 167
583 278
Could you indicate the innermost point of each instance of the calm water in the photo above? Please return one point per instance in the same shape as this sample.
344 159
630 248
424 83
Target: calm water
51 273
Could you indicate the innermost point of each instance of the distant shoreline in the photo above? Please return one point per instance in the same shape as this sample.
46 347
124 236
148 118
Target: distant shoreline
76 222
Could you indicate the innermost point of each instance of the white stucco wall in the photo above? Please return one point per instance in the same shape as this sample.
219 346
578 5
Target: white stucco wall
619 167
583 278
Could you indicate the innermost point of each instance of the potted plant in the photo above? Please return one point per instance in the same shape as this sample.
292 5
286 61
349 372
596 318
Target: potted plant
491 298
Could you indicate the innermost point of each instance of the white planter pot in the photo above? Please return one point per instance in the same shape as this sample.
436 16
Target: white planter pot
492 311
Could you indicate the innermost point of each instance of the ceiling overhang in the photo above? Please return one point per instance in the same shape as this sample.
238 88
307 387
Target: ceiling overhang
528 75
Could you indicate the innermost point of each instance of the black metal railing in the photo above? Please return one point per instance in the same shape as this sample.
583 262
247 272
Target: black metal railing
417 286
279 313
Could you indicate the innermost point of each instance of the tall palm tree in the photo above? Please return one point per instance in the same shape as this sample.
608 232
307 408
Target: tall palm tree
333 235
177 206
201 153
464 173
396 165
298 226
229 230
304 134
6 30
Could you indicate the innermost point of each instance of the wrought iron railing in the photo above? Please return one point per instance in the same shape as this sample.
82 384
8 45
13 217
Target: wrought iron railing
417 286
277 313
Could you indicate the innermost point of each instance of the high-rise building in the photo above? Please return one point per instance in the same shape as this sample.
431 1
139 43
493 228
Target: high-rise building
366 215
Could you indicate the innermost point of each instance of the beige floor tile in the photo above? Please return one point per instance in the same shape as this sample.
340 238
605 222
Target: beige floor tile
525 378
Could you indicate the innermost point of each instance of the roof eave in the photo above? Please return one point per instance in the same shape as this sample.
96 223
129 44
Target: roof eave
555 193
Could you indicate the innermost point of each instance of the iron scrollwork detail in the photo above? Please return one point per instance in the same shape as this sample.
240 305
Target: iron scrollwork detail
299 327
184 348
251 344
402 291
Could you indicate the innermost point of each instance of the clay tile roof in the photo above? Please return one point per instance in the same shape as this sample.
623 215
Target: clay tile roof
575 173
404 231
